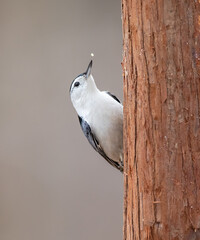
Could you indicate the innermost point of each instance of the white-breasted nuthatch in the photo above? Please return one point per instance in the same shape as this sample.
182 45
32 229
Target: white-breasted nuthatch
101 117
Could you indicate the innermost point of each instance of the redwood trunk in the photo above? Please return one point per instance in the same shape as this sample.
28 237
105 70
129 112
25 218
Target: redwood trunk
161 66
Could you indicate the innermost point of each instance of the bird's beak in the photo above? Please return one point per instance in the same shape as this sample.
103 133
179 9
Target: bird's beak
88 71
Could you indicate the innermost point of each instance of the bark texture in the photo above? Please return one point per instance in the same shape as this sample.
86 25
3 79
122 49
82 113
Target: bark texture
161 66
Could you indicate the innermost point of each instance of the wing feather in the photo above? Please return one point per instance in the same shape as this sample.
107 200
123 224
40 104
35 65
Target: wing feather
95 144
113 96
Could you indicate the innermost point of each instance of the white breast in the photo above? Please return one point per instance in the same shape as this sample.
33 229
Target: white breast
106 121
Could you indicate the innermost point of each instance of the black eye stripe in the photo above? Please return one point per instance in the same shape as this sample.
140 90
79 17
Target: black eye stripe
76 84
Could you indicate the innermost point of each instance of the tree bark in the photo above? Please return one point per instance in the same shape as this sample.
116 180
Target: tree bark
161 67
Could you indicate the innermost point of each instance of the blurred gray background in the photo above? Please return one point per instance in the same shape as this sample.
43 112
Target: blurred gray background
53 185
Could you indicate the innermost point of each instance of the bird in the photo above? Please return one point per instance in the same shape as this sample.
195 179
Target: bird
100 115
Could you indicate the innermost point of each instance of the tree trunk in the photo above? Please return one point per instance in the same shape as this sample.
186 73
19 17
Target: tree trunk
161 66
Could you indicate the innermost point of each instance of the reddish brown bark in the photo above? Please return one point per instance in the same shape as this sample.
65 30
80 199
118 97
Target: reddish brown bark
161 66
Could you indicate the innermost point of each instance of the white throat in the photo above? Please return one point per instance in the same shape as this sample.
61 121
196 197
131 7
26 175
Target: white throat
84 101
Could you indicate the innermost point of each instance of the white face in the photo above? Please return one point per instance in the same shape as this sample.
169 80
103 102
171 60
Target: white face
81 89
78 88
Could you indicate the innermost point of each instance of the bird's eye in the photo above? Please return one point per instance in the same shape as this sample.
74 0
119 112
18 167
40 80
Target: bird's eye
76 84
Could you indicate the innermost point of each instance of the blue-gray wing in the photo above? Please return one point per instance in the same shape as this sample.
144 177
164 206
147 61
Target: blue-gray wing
95 144
113 96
